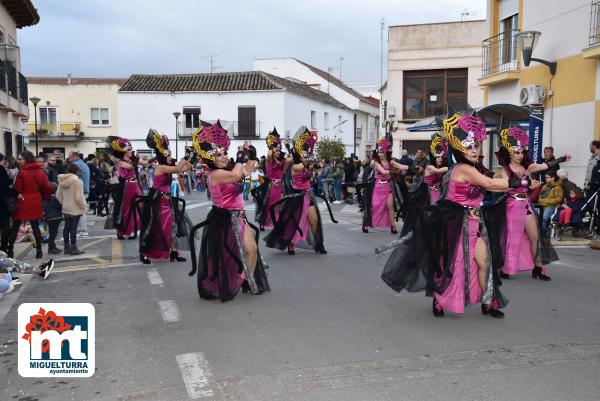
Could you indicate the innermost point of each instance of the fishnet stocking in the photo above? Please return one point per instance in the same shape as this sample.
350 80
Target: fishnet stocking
480 256
533 233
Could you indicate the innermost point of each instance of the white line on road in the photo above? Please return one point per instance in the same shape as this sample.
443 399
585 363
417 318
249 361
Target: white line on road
196 205
195 372
169 311
155 278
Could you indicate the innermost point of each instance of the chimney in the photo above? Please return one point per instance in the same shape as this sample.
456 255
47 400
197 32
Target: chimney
68 79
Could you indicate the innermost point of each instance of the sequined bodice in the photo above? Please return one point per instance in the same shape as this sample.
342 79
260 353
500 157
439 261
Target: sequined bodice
464 193
433 179
380 176
162 182
301 181
227 196
124 173
275 170
520 190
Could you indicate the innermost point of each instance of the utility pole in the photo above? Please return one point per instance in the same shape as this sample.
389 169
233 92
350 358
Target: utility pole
381 72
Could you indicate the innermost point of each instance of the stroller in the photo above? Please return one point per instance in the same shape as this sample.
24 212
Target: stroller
589 224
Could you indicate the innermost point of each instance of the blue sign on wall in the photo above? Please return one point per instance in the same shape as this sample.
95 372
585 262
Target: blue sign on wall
536 133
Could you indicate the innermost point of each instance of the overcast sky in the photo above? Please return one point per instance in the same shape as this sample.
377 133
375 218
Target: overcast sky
116 38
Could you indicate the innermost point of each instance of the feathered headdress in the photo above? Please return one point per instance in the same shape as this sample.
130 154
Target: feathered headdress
159 143
208 139
304 142
439 146
462 130
513 138
383 144
273 138
118 146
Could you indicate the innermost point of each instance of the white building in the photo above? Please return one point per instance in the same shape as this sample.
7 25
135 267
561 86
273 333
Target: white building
13 85
249 104
430 66
569 34
365 109
73 113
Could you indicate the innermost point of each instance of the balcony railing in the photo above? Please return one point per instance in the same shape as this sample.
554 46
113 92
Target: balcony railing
11 77
500 53
63 128
595 24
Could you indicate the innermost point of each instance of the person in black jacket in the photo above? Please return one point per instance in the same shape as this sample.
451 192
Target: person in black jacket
7 198
52 217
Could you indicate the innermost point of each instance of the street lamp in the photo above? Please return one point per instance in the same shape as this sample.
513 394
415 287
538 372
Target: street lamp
35 101
176 115
527 40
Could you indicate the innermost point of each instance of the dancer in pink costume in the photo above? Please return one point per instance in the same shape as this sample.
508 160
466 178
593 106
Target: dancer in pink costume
271 191
126 218
228 259
161 215
526 247
448 251
297 217
382 195
434 172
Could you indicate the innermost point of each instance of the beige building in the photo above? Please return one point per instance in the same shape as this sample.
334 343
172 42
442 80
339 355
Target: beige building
14 15
430 66
568 34
73 113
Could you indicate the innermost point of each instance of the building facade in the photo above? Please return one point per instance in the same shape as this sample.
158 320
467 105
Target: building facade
73 113
13 85
429 66
570 36
364 122
248 104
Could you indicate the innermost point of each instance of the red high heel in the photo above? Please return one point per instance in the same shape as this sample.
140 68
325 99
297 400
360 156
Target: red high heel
291 249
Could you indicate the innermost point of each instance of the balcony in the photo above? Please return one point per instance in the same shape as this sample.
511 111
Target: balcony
500 62
593 49
236 129
56 131
13 90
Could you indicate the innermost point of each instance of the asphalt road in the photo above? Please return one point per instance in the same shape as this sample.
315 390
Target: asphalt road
330 329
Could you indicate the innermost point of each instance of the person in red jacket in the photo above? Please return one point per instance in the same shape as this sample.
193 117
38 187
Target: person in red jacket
32 185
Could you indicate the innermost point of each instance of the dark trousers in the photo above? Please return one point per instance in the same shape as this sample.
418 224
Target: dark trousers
52 233
70 230
35 227
5 233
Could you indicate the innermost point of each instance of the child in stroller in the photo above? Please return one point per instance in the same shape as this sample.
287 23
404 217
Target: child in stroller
570 217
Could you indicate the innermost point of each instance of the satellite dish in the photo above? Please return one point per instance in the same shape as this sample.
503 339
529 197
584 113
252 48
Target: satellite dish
524 96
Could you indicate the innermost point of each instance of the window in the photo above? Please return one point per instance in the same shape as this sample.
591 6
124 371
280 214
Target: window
508 40
247 121
48 120
313 119
8 143
100 116
19 143
426 93
192 117
326 121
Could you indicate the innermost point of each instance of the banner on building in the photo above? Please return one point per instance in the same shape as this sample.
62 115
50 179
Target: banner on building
536 133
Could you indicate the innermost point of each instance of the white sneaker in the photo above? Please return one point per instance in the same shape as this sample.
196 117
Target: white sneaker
48 268
14 285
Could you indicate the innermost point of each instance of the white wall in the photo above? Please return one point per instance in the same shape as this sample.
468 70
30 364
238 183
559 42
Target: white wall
138 112
297 113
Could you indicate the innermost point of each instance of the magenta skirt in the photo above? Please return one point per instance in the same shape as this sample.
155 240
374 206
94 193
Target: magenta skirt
274 196
161 232
235 275
379 211
453 298
132 189
434 195
517 251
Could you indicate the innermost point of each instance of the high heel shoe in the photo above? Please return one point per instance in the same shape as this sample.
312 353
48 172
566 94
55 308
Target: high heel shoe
291 249
365 229
174 256
438 311
120 237
245 287
145 260
492 310
504 276
132 237
262 228
538 272
319 248
393 230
